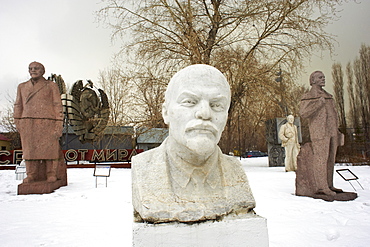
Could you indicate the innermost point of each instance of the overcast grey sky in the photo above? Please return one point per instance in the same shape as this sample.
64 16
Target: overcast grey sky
64 36
352 30
61 34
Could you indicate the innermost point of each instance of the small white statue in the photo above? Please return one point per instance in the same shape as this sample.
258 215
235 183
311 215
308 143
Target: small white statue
289 140
187 178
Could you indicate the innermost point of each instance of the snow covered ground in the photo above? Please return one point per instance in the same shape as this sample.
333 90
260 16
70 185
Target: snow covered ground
82 215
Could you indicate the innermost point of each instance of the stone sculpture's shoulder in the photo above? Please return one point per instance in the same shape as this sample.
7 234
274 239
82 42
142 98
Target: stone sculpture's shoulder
308 95
151 160
51 84
239 192
232 166
148 156
23 84
283 126
229 159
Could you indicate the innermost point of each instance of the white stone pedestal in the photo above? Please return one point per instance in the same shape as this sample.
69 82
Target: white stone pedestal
250 231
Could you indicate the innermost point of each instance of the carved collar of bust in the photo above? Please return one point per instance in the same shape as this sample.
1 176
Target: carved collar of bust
182 171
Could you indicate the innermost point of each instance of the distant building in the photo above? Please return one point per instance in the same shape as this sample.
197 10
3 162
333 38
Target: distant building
150 138
113 137
4 142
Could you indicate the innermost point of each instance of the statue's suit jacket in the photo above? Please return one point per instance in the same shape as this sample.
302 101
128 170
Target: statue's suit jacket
39 119
155 201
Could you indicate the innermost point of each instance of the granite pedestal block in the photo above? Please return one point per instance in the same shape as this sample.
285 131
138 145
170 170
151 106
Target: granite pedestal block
41 187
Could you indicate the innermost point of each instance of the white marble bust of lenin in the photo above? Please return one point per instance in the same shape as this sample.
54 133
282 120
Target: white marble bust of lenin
187 178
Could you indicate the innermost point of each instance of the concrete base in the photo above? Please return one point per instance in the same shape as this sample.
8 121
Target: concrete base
42 187
249 231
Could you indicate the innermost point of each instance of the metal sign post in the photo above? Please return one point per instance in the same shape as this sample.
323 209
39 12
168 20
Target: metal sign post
102 171
348 175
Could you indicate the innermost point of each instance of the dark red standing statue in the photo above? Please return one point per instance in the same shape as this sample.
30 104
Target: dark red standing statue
39 119
316 160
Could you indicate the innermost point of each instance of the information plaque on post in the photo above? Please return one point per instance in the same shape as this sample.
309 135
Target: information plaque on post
348 175
20 172
102 171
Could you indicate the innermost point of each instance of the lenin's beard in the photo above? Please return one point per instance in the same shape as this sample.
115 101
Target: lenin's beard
201 138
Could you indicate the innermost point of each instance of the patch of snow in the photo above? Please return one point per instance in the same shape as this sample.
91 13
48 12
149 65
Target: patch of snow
82 215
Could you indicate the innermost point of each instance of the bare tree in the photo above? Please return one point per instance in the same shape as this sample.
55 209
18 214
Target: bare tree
365 71
117 87
183 32
337 76
361 93
147 100
353 100
247 40
7 123
7 120
362 75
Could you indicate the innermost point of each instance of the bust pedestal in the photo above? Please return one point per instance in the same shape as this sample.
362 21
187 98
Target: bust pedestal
247 231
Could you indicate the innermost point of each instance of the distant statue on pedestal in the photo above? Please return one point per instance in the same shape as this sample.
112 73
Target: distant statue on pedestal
187 178
288 134
314 176
39 119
